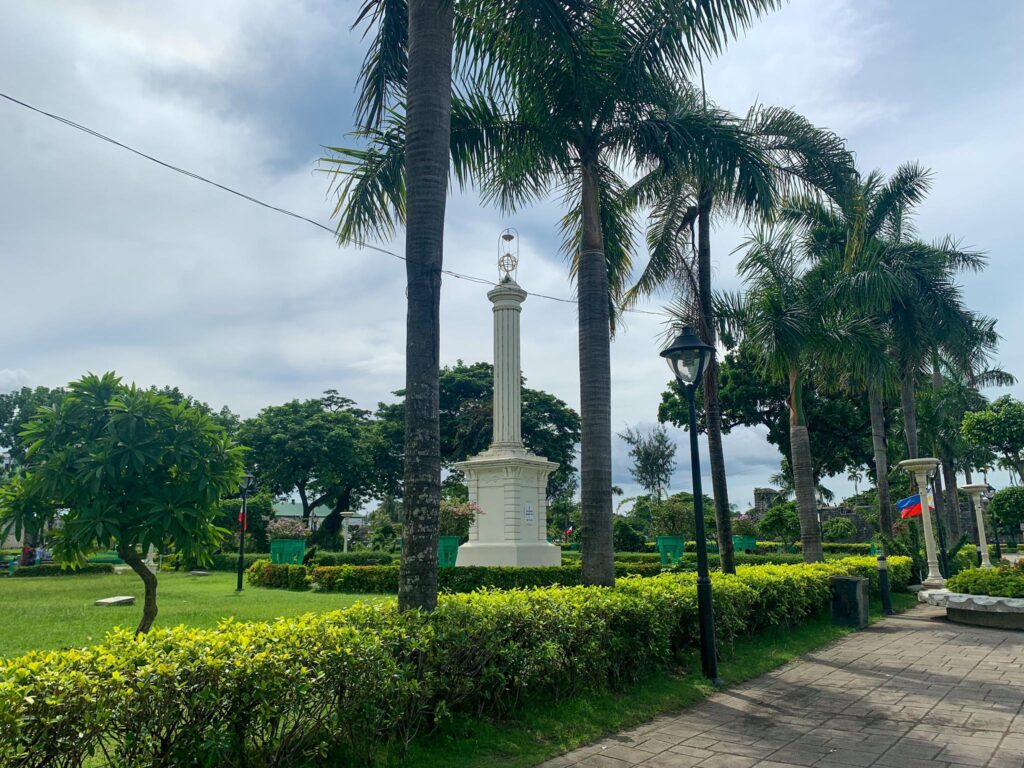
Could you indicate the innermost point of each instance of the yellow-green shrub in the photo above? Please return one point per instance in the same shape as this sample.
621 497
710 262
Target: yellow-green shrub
293 691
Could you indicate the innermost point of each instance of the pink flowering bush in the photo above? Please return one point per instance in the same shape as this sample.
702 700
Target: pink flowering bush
287 528
457 516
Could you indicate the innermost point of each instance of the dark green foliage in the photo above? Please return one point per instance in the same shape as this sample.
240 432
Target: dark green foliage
1000 429
1006 510
550 427
837 529
362 557
222 561
781 522
89 569
263 573
839 426
625 537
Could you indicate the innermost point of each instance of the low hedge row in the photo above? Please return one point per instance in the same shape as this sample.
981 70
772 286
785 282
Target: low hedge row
52 569
333 688
383 579
222 561
997 582
363 557
263 573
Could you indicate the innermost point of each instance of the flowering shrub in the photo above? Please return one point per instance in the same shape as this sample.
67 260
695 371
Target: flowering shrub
457 516
287 528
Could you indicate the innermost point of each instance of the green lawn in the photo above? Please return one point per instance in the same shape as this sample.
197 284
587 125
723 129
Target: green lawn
51 612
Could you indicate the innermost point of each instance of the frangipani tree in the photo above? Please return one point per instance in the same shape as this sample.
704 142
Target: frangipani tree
130 470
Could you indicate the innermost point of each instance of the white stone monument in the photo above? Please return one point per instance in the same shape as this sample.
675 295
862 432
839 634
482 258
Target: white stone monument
507 481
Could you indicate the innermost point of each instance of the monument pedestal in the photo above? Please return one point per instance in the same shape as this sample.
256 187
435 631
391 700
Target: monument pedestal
510 486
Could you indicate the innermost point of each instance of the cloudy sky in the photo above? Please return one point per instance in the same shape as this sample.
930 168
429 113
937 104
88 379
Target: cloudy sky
112 262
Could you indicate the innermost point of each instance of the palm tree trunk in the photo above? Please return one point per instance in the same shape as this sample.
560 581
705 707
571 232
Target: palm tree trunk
881 452
149 609
427 146
956 525
803 473
909 412
595 394
712 406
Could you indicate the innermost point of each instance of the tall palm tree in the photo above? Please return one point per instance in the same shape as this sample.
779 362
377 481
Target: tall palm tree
562 114
409 63
784 314
900 284
797 156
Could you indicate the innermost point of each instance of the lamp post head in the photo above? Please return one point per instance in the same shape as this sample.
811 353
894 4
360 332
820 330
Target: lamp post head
913 466
687 356
247 483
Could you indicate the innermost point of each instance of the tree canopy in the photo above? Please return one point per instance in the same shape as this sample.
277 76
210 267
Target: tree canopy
129 469
653 455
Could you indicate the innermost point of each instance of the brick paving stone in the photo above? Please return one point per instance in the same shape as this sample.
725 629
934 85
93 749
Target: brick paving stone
908 692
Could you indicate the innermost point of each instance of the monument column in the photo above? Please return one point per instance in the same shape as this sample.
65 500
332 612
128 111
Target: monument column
507 481
507 298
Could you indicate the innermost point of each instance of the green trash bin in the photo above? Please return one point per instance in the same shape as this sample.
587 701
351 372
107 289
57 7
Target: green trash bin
671 549
447 551
287 551
747 544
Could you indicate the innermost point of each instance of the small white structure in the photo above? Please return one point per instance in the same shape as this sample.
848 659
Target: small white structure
116 600
920 469
507 481
976 490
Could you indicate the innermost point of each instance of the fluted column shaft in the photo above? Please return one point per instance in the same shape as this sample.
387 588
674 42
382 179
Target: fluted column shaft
507 299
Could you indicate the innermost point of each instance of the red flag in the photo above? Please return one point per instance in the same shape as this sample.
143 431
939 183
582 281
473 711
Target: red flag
243 520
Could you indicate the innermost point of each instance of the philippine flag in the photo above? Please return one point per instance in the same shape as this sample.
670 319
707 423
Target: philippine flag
910 507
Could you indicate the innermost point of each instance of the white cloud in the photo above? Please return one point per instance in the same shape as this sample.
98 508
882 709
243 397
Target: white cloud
112 262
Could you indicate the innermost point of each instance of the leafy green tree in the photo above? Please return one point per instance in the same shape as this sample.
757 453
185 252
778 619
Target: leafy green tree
654 458
550 428
749 396
1006 511
781 523
324 450
16 409
745 526
838 529
627 538
1000 429
130 470
560 109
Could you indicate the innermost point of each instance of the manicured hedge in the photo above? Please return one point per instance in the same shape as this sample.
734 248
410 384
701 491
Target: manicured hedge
383 579
997 582
89 569
222 561
263 573
333 688
363 557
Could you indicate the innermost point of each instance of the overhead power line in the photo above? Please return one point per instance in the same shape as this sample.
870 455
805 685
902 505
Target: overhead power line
277 209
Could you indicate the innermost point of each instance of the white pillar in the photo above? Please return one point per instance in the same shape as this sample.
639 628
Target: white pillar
920 468
976 489
507 298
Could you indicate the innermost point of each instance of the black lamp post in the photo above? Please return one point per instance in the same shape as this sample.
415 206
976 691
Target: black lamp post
688 357
245 486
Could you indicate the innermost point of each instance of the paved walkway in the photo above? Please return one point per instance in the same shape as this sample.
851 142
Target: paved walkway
909 692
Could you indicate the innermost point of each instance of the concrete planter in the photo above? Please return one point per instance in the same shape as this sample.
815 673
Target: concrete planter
979 610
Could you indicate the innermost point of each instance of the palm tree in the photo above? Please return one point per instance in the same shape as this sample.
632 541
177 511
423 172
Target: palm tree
900 284
784 313
410 62
796 156
561 114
